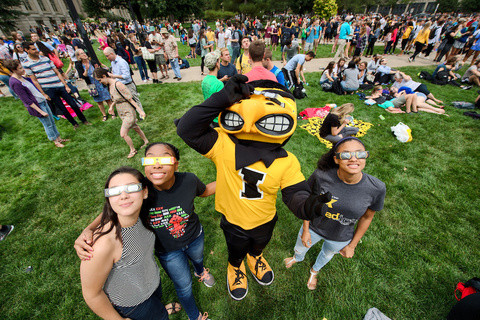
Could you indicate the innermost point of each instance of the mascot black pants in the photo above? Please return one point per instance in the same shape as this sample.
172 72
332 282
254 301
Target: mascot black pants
241 241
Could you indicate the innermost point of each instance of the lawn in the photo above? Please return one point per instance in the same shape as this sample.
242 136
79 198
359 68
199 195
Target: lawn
418 247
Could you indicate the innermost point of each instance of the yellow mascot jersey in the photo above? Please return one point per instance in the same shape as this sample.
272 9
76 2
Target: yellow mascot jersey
247 197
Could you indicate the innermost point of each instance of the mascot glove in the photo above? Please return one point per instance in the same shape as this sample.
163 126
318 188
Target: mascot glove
237 88
315 205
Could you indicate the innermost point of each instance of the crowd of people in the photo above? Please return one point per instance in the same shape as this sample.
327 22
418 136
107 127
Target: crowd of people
153 214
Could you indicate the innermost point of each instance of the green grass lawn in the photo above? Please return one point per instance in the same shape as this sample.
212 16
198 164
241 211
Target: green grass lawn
418 247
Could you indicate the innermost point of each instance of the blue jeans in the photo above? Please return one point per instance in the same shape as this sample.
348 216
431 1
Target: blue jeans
142 67
177 267
342 83
150 309
175 67
48 122
5 79
329 249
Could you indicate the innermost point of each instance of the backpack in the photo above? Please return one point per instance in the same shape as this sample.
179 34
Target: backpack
441 78
337 87
425 75
286 35
432 33
470 287
299 91
198 48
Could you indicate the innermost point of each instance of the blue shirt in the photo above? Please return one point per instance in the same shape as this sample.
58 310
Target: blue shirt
344 30
317 33
120 68
295 61
311 36
279 75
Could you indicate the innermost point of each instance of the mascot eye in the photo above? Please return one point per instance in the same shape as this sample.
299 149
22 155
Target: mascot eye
276 125
231 121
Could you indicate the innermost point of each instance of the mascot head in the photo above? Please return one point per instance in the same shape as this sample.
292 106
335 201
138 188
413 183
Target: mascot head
268 115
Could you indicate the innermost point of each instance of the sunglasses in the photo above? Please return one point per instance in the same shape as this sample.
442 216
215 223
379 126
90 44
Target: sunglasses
150 161
129 188
349 155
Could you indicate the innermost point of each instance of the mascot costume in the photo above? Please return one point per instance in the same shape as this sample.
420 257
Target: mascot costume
256 119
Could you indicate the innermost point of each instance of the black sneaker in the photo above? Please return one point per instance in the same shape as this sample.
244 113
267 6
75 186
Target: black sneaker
5 231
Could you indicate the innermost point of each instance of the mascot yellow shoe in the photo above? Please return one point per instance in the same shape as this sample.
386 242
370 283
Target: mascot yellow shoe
237 282
260 269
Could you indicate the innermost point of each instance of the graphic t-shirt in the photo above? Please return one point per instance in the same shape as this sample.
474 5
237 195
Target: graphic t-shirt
173 218
349 202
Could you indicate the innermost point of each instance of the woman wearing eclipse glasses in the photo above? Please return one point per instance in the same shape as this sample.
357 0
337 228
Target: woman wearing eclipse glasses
179 235
356 196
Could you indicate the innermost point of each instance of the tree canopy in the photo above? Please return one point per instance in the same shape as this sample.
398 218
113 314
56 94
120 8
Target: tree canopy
8 14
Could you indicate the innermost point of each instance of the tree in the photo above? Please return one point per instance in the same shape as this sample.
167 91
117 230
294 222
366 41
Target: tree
448 5
8 14
470 6
325 9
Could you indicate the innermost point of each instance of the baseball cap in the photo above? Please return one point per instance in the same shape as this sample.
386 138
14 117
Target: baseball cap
211 59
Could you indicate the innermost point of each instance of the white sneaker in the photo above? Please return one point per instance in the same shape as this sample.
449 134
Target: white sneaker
145 81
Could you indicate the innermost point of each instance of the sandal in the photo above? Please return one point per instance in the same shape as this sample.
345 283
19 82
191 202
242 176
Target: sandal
104 118
64 140
113 117
132 154
289 262
173 307
162 77
312 280
58 144
167 77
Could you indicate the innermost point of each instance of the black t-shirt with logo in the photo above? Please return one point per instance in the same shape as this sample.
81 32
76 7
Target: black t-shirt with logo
173 218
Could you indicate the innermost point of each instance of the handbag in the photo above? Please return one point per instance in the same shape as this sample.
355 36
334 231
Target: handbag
146 54
92 90
56 61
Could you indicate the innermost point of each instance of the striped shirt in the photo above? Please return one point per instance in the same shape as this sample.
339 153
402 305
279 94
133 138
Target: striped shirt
134 277
43 69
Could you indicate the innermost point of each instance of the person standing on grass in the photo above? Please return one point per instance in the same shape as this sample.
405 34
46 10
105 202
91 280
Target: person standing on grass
121 71
211 83
179 235
123 100
122 279
268 64
102 93
51 83
294 68
171 52
243 62
256 52
227 69
356 196
34 101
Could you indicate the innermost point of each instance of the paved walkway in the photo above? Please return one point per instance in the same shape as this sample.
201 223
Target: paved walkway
194 74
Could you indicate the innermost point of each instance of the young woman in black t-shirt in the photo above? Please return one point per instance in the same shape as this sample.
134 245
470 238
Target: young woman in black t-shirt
334 127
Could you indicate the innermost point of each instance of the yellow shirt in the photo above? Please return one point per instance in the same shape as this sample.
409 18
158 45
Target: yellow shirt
407 32
245 66
423 36
210 35
252 204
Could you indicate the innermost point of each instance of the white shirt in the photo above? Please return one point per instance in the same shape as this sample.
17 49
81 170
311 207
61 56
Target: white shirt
228 36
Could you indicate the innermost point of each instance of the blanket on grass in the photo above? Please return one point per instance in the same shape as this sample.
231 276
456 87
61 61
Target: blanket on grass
314 124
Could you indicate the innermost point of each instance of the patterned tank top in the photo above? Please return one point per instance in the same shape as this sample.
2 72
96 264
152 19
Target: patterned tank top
134 277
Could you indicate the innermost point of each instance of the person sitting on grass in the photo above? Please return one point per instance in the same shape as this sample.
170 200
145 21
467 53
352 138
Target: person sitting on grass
444 74
472 75
350 78
334 127
382 75
34 101
328 75
174 248
356 196
122 278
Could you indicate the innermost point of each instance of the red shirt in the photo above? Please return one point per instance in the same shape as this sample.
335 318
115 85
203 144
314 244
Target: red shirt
260 73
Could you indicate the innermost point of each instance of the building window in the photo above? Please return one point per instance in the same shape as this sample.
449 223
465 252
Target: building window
54 6
41 5
27 5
